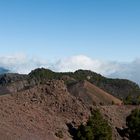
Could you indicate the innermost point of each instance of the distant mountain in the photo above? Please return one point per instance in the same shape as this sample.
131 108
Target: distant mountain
11 77
120 88
3 70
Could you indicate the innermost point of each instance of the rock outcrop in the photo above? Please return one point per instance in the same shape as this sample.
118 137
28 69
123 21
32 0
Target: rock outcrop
40 112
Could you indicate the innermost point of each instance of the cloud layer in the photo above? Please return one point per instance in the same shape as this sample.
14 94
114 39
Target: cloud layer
21 63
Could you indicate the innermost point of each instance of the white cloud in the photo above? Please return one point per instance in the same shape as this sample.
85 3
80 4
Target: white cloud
128 71
24 64
112 69
83 62
76 62
20 63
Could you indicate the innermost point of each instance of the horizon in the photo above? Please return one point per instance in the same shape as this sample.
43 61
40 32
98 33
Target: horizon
101 36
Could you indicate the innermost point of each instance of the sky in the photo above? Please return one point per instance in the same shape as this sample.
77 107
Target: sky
65 35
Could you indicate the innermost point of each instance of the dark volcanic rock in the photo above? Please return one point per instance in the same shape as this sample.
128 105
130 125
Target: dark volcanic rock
11 77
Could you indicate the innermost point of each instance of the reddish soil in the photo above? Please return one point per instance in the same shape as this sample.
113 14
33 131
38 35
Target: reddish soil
40 112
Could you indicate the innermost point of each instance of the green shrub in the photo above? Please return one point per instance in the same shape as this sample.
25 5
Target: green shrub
96 128
133 124
137 100
128 100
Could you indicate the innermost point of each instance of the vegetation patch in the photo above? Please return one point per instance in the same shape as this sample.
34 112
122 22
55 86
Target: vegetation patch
133 124
96 128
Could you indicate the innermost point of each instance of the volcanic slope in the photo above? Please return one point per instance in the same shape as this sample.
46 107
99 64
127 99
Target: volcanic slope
93 95
44 112
39 113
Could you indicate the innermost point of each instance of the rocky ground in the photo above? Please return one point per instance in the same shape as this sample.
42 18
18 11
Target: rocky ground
40 112
116 116
44 111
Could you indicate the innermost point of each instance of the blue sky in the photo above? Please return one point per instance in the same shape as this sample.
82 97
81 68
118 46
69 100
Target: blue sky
102 29
65 35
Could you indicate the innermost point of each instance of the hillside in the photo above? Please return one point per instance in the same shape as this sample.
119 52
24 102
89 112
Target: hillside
40 112
44 105
120 88
45 110
91 94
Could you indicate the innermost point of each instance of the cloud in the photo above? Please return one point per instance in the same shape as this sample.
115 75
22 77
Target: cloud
128 71
83 62
111 69
22 63
76 62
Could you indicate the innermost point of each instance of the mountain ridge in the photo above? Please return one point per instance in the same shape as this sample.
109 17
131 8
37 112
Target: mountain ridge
120 88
